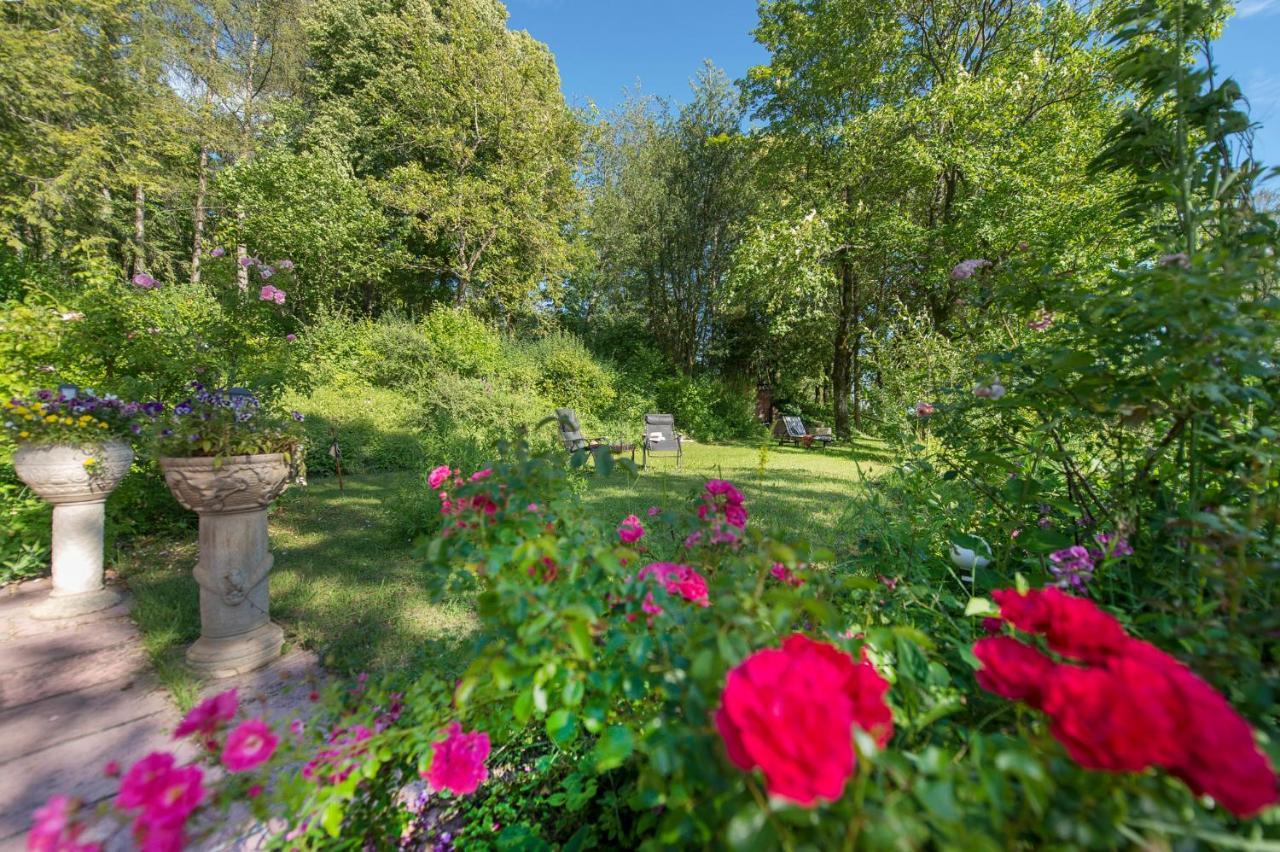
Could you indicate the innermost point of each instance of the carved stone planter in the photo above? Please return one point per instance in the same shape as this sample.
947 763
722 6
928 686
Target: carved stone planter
236 631
76 480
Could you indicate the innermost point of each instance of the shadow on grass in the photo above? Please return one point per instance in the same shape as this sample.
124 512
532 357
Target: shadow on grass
348 585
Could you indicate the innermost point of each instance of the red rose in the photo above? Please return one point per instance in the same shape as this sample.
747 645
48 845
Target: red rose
1074 627
1220 758
1115 718
790 711
1014 670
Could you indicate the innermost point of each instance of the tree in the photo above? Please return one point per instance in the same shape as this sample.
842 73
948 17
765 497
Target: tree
922 134
460 129
668 192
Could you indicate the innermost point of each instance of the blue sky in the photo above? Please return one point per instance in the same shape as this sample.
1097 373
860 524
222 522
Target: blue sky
605 46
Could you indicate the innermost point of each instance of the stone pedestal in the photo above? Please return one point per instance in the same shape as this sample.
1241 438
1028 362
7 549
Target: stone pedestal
231 498
76 480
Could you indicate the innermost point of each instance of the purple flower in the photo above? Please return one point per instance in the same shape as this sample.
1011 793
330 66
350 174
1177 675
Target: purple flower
286 264
165 433
266 272
44 395
246 262
135 428
290 337
966 268
297 415
218 252
1072 566
1113 546
143 280
183 408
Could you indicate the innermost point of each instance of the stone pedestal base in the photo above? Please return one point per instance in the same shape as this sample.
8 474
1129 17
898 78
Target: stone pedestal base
71 605
235 655
76 480
231 496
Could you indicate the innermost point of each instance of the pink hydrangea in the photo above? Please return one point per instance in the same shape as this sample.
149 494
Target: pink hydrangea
251 743
144 281
457 761
209 715
965 268
630 530
271 293
438 476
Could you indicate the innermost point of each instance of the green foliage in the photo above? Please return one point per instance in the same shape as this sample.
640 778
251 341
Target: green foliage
24 534
459 126
310 209
605 707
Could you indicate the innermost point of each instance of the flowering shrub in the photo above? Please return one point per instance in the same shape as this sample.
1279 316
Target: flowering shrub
1130 706
222 422
682 690
73 415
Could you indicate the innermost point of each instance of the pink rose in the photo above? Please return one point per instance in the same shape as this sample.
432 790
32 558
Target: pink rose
207 716
457 761
438 476
250 744
630 530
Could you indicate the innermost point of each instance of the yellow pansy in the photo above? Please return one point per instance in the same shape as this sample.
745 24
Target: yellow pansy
51 418
24 434
102 425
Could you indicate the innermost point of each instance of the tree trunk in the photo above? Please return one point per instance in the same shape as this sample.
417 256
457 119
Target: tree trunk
857 381
139 231
246 146
197 242
841 351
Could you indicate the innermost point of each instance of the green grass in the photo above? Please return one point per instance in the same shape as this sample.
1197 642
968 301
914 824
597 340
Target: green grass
347 585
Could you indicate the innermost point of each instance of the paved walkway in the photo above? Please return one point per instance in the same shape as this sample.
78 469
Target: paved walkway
79 692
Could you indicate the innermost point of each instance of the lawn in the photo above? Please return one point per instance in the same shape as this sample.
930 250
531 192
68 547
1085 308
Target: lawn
346 582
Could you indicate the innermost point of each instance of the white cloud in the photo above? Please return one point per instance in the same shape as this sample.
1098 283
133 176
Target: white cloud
1249 8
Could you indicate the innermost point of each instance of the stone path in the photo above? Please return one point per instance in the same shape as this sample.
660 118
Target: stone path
79 692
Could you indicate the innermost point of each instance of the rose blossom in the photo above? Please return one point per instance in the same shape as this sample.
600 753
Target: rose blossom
250 744
790 711
457 761
54 830
438 476
630 530
678 580
207 716
1130 706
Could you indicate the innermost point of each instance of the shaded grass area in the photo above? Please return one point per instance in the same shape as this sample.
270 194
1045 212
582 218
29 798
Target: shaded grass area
346 582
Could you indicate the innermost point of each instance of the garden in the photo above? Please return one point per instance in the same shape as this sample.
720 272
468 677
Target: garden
878 451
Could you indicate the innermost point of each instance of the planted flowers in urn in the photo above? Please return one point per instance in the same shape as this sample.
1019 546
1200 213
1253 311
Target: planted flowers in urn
226 460
71 451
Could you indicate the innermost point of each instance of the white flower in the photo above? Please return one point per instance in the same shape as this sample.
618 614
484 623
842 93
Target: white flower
966 559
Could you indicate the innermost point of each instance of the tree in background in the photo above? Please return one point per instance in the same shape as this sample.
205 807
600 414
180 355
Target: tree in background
919 135
668 192
459 128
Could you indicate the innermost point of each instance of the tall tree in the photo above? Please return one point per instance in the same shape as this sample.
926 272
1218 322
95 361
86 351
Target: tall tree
668 192
923 133
459 126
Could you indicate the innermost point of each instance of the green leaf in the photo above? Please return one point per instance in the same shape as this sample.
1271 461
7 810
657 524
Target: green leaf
613 748
331 820
562 727
980 606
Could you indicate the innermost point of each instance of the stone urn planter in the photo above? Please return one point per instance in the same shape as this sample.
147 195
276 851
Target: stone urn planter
231 496
76 480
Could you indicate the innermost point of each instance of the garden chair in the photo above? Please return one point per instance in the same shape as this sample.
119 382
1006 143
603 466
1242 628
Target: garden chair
790 429
660 436
571 432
